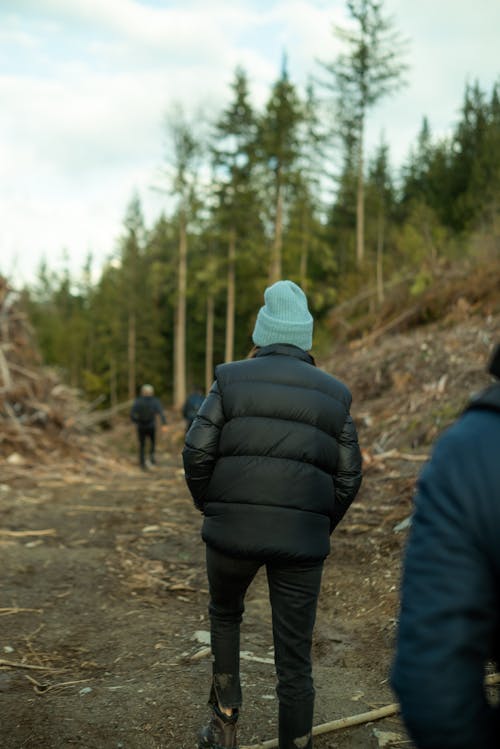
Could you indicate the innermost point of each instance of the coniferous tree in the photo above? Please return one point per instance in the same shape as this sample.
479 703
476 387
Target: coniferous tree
307 186
109 332
162 262
476 158
415 170
132 274
234 161
381 202
370 68
279 149
185 153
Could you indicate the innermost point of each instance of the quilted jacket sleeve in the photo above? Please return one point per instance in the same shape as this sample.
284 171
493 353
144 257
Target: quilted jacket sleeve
201 446
449 616
348 474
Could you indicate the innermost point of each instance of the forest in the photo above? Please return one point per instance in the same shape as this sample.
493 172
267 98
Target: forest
283 191
105 627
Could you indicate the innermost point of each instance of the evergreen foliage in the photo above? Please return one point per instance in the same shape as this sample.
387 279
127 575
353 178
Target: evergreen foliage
264 213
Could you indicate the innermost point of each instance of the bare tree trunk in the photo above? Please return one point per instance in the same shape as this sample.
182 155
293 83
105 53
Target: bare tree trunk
179 395
131 354
426 231
380 259
113 389
275 266
230 303
360 204
304 252
209 344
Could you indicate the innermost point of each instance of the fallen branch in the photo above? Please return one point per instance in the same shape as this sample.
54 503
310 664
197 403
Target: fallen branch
15 610
26 372
98 508
90 419
203 653
42 688
416 457
4 370
17 424
371 291
336 725
22 534
18 664
394 323
396 455
244 655
355 720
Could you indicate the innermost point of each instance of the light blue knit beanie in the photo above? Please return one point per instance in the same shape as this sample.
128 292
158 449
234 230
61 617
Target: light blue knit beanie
284 318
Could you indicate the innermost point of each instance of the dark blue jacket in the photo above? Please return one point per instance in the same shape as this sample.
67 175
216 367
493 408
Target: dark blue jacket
192 405
144 411
272 458
449 625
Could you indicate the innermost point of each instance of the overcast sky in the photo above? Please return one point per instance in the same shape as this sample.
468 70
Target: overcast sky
85 86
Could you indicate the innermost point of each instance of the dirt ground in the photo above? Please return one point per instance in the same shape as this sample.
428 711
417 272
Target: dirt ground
103 610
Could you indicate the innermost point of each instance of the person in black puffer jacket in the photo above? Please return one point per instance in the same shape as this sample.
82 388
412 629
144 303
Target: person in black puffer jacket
272 461
449 625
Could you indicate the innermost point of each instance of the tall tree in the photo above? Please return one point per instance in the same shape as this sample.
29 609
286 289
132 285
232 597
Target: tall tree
233 156
382 198
132 270
309 184
475 156
279 145
162 260
111 356
414 172
185 151
370 67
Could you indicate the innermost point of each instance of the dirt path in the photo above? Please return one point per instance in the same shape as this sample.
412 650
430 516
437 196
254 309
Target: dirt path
102 613
106 609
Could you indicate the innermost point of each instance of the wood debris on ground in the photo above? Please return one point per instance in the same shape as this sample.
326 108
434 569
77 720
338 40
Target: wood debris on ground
41 418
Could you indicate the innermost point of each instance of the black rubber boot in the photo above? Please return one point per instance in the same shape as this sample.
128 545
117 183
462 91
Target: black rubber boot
220 733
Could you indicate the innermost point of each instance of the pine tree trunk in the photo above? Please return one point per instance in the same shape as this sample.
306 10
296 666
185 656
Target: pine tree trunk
113 389
131 354
360 204
230 303
179 395
380 259
275 266
304 252
209 344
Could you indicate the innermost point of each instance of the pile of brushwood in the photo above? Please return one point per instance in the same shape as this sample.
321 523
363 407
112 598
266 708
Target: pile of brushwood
37 411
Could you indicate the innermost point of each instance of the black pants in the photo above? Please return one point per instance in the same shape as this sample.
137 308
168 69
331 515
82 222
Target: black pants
143 434
293 593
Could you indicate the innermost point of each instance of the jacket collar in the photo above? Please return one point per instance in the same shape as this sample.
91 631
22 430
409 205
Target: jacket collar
487 399
285 349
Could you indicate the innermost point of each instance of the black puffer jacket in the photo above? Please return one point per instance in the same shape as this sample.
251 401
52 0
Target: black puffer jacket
449 626
272 458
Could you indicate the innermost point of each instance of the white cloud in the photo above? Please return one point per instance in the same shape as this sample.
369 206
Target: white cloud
186 32
86 85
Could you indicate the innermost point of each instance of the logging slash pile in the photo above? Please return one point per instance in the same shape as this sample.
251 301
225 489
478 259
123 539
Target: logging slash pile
36 409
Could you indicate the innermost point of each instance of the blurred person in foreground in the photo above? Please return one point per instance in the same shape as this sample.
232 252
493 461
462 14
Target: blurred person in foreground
144 412
273 463
449 628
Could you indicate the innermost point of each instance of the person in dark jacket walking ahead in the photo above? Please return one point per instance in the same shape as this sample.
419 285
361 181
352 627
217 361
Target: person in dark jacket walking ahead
143 413
272 461
449 627
191 406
